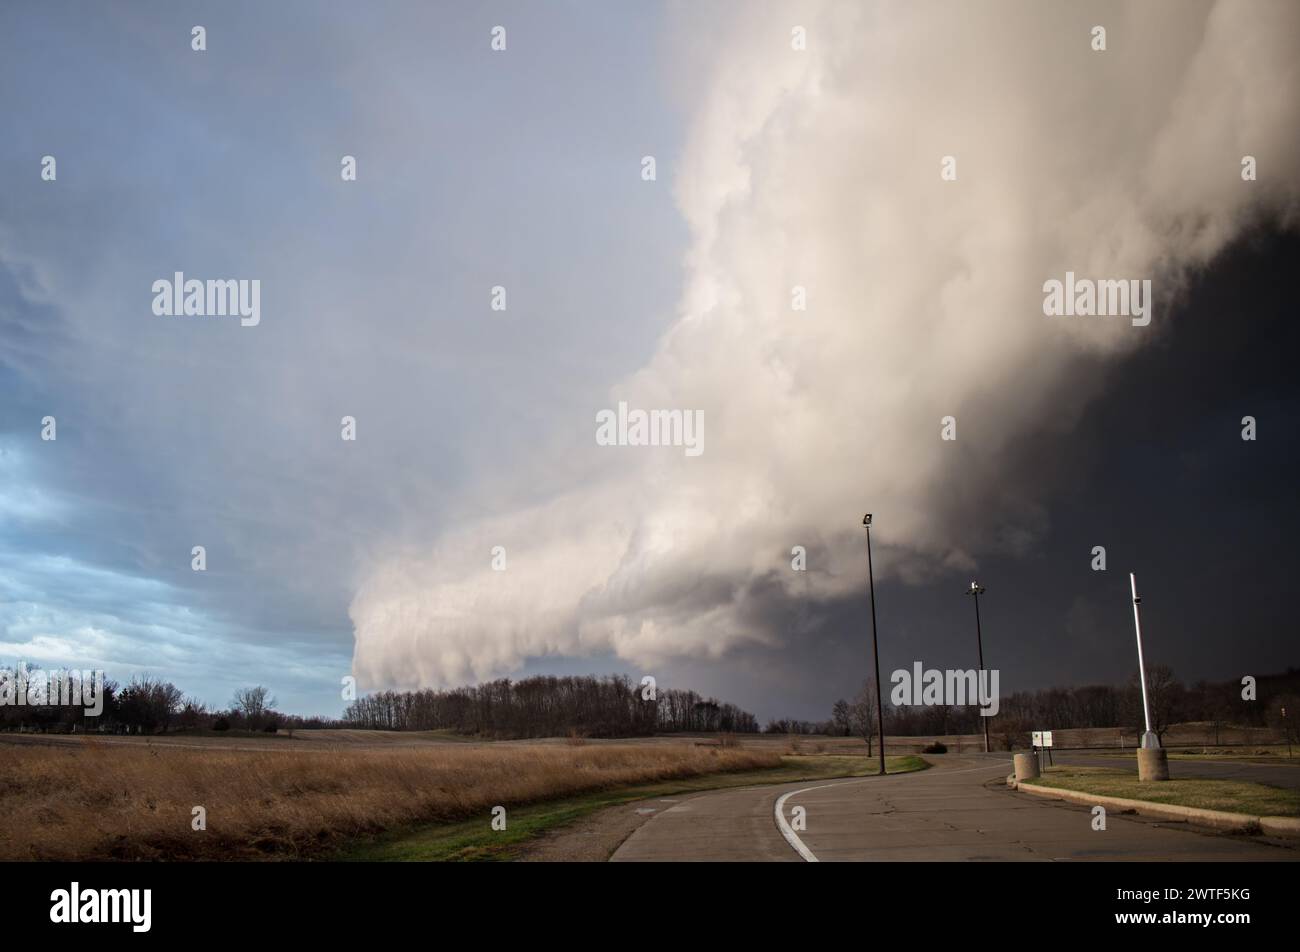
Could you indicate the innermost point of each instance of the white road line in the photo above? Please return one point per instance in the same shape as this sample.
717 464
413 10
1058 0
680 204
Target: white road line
800 847
790 835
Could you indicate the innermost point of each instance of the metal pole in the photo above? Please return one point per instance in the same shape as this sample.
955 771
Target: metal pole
875 651
1149 739
979 641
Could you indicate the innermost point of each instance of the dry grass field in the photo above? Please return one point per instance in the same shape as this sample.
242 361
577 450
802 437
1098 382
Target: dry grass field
132 801
316 792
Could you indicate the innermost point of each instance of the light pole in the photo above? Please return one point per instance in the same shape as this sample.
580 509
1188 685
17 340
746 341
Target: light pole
976 590
1149 739
875 646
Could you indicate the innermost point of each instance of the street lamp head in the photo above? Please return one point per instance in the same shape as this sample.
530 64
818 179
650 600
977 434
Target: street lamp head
975 589
866 520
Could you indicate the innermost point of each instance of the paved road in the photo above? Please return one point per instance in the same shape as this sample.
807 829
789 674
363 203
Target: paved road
958 810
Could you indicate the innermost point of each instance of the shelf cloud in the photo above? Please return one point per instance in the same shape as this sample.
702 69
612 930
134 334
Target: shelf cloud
914 178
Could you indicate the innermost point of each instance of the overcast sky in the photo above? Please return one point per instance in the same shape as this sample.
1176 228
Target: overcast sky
523 168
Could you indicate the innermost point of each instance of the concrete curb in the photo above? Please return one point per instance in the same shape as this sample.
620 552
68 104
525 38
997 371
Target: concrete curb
1217 819
1280 825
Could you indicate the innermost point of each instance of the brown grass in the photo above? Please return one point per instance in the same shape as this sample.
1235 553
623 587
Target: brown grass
98 801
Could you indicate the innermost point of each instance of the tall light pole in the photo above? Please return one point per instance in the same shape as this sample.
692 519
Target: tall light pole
1149 739
976 590
875 646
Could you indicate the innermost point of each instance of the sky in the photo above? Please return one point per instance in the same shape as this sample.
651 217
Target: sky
776 167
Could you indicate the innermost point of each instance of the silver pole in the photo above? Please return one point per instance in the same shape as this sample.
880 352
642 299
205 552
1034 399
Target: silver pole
1149 739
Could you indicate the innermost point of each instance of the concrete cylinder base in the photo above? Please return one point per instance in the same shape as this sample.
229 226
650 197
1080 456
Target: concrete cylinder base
1153 764
1026 766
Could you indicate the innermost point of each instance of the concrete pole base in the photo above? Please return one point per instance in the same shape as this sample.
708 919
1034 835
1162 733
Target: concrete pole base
1026 767
1153 764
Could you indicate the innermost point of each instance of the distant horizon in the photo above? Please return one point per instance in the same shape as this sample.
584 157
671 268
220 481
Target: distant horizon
6 672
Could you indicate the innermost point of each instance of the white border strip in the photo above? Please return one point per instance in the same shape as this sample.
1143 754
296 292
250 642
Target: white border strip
790 835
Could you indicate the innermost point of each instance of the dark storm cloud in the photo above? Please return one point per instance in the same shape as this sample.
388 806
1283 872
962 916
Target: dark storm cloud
821 170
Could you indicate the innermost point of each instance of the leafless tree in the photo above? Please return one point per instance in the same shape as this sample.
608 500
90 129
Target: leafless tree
1165 694
255 704
842 717
863 714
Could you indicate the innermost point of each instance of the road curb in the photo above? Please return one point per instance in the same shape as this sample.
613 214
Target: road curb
1217 819
1280 825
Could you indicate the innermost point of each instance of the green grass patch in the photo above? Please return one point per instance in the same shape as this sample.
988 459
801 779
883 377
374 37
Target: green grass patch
1248 756
474 840
1232 796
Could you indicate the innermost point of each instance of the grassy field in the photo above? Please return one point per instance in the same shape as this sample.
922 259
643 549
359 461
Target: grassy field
475 840
93 800
1232 796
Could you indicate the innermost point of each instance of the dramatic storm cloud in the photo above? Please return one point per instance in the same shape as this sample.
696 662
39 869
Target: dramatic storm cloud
821 169
777 168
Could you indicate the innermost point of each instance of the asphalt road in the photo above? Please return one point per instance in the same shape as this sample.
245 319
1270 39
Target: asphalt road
960 809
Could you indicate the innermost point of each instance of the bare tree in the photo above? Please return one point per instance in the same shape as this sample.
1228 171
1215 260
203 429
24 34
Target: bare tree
1012 730
255 704
842 717
193 713
148 704
1166 695
863 714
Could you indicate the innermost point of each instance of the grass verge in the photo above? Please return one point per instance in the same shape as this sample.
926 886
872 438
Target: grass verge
1231 796
474 840
1245 756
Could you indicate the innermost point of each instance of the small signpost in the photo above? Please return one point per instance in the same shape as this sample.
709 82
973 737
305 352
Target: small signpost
1042 741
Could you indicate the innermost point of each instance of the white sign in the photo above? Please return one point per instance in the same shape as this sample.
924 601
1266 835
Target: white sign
1038 738
1047 738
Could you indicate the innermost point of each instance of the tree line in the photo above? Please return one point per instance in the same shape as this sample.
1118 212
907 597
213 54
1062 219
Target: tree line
144 705
543 706
1218 704
550 706
615 706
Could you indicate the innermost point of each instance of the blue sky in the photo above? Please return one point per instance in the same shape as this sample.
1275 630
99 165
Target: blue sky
473 171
